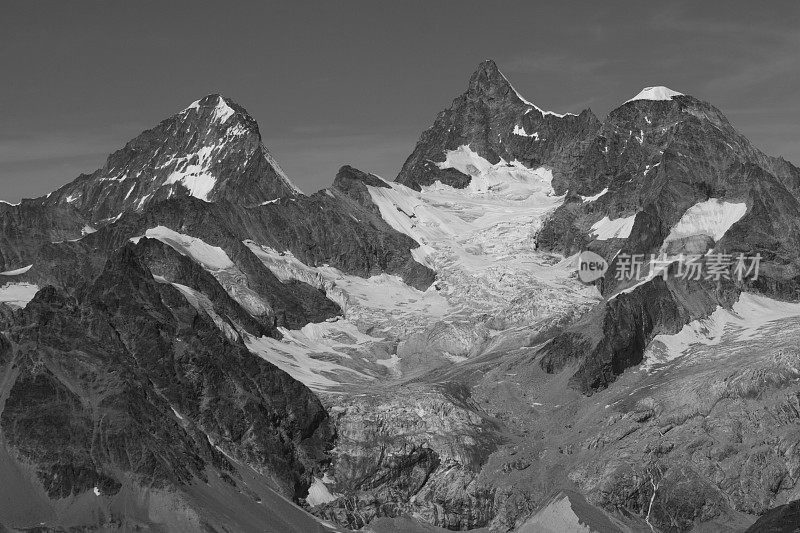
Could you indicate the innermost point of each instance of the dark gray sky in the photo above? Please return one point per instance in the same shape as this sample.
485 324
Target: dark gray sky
340 82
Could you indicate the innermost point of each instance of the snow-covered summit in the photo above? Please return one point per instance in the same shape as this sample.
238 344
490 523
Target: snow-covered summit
211 150
222 110
655 93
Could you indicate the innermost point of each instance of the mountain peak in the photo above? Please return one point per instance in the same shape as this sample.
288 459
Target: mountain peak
488 81
217 112
212 150
220 107
494 121
655 93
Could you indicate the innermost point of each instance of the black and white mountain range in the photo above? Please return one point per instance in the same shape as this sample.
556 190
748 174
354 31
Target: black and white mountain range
188 342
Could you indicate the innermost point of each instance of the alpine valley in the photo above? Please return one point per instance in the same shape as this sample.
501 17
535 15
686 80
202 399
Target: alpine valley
190 343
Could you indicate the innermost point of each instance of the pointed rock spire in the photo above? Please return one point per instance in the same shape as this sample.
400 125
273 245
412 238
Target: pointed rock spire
488 118
487 80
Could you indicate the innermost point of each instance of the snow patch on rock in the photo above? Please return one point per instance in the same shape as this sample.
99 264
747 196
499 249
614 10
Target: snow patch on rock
18 294
712 218
195 176
519 130
16 272
655 93
589 199
512 180
751 317
216 261
618 228
318 493
222 111
211 257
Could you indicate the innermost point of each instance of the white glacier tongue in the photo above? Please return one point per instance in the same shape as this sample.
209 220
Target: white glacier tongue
328 354
655 93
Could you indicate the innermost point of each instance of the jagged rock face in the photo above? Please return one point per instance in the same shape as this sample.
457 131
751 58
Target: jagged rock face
613 336
416 452
128 380
167 264
657 159
701 440
29 225
339 226
497 124
257 294
212 150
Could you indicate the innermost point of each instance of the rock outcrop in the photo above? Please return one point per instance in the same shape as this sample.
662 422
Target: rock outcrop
127 382
417 452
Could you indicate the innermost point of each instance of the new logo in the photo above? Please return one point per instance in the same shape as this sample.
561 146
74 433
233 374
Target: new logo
591 267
